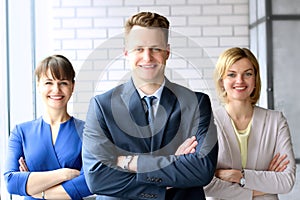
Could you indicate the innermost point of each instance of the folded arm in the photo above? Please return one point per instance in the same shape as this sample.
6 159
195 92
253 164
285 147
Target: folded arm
281 176
192 164
101 157
56 184
280 172
64 183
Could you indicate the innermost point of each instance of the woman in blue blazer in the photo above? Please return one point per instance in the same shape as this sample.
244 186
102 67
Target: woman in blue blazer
44 155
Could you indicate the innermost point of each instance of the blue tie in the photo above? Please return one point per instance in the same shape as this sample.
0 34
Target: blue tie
150 112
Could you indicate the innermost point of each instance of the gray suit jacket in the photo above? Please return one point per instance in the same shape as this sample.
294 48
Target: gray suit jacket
116 125
269 135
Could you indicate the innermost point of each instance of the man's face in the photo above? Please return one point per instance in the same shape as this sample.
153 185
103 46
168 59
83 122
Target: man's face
147 52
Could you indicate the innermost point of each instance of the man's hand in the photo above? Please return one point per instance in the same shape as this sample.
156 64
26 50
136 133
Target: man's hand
188 146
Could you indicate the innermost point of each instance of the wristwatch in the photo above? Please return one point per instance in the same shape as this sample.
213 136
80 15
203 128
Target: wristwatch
242 180
127 161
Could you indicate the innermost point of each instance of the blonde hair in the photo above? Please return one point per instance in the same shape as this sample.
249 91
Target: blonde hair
225 61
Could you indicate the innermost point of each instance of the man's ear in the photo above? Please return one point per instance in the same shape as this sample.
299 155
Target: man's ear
168 51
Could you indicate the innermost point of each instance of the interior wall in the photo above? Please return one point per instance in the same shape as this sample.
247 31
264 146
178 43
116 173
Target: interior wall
89 33
286 67
274 36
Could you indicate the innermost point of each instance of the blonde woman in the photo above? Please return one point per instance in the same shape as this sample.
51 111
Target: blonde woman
256 159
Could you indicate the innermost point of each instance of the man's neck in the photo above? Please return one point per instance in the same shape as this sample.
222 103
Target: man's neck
148 87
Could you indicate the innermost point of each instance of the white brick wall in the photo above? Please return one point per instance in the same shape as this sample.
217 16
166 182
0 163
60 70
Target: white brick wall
90 33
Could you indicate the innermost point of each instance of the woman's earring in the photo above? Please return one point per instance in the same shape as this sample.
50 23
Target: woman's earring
224 93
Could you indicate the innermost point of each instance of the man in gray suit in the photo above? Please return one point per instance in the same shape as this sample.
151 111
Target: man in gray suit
149 138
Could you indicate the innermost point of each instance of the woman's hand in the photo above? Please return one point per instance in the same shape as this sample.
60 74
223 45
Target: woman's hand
23 167
257 193
65 173
68 174
230 175
188 146
278 163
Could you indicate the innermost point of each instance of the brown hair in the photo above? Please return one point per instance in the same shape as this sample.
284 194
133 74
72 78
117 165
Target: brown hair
60 68
149 20
225 61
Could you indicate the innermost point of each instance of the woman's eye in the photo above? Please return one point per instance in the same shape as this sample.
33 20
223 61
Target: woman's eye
249 74
231 75
64 83
48 83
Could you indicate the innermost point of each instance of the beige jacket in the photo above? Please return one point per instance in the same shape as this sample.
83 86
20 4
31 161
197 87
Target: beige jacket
269 135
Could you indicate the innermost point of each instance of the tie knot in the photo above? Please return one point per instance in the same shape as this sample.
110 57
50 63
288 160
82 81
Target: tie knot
149 100
149 112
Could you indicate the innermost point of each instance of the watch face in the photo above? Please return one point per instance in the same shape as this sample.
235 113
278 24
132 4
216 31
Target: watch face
242 182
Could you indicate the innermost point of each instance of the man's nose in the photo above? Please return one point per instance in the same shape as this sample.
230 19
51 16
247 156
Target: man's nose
147 54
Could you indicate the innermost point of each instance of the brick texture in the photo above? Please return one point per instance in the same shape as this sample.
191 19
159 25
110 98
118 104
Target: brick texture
90 33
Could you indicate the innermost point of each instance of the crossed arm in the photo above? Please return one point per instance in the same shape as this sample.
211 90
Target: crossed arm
277 164
187 147
48 182
193 161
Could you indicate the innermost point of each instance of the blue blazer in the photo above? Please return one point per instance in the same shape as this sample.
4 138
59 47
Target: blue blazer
116 125
33 141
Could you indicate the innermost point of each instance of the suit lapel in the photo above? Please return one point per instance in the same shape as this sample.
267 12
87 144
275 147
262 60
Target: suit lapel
137 113
135 106
162 120
140 128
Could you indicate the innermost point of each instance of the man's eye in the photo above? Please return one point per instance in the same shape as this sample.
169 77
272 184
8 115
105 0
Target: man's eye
138 49
48 83
156 49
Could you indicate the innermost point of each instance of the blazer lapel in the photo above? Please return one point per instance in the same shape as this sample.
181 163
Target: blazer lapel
256 132
228 136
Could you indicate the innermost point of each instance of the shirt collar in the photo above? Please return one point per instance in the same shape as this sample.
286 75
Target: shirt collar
157 93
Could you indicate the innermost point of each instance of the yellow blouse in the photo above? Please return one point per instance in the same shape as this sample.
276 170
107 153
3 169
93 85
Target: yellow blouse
242 136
